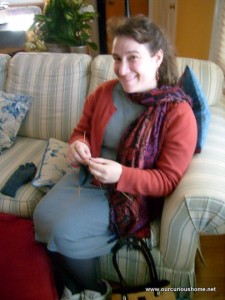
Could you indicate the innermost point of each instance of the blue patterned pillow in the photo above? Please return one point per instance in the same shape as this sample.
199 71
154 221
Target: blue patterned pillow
13 109
54 165
190 84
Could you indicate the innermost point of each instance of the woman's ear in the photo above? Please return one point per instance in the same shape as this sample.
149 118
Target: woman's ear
159 57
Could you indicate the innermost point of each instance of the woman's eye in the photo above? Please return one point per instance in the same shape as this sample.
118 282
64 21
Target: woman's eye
116 59
133 58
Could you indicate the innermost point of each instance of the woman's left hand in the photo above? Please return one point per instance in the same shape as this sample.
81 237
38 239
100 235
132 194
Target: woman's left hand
105 170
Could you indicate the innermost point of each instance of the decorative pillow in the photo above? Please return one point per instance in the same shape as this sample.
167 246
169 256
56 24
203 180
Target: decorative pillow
26 269
13 109
190 84
54 165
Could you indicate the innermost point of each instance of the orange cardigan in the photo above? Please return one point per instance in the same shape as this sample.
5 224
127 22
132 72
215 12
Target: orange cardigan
177 150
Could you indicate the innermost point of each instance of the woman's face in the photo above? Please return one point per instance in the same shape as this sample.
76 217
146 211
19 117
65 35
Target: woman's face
134 66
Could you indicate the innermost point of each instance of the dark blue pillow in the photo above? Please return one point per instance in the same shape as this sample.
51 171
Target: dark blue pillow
190 85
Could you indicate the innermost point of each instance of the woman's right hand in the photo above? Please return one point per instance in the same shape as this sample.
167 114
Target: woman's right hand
78 153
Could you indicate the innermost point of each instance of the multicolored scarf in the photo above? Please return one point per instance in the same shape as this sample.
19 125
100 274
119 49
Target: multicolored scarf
140 148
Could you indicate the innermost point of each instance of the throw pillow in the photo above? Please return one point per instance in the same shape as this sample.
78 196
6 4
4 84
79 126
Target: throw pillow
26 269
13 109
54 165
190 84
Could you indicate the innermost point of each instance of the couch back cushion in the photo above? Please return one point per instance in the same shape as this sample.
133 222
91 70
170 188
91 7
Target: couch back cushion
101 70
210 76
58 84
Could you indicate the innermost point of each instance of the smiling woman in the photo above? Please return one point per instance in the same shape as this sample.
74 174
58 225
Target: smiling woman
131 151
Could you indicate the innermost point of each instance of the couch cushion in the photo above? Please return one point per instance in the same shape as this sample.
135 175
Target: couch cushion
209 75
13 109
23 150
26 271
58 85
189 83
54 165
101 70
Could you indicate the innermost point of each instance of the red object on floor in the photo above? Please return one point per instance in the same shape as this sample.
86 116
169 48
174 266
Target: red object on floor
25 268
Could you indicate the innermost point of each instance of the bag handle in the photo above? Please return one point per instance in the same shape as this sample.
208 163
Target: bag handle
139 245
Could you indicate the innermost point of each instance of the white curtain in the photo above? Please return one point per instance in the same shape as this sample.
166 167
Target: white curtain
217 49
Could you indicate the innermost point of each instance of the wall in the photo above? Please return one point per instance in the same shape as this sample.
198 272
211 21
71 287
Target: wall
94 28
116 7
194 26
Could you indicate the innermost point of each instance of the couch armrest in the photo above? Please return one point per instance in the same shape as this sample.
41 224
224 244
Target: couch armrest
197 206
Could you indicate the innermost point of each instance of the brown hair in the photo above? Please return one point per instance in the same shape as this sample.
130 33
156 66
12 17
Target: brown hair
143 31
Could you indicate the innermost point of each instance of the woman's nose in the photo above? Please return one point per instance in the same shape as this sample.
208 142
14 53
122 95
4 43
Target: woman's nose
123 68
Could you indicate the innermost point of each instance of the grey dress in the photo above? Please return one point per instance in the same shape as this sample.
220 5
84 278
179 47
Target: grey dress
74 220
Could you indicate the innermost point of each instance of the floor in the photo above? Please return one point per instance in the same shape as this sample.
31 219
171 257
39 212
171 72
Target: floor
210 272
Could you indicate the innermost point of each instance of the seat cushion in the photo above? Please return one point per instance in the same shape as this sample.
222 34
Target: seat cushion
26 271
24 150
133 265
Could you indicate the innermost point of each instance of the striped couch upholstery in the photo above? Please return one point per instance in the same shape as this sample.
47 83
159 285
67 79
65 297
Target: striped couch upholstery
58 84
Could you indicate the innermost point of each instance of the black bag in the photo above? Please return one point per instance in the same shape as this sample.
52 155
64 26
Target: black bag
155 289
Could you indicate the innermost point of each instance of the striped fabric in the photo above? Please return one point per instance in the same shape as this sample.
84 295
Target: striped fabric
23 150
101 70
209 74
4 60
58 84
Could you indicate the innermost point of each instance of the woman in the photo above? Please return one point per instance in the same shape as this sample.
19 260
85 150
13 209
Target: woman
134 141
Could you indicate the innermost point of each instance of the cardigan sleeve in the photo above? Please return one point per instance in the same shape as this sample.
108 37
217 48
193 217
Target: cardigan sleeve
176 154
82 131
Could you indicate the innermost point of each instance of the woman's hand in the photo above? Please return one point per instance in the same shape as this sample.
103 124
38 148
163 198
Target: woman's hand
105 170
78 153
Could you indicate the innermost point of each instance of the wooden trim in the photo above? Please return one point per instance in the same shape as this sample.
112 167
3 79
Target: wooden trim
11 51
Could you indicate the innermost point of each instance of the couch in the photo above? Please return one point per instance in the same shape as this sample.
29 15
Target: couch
57 84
